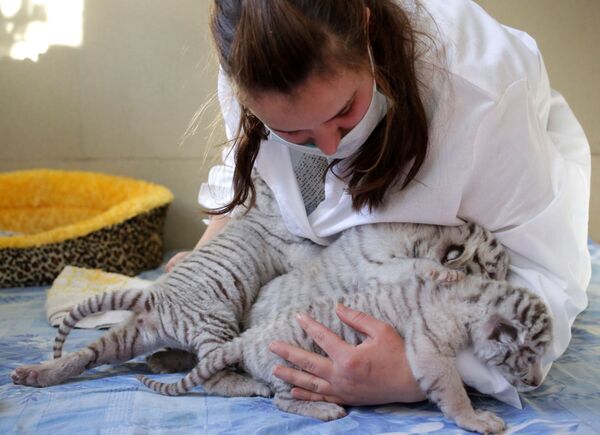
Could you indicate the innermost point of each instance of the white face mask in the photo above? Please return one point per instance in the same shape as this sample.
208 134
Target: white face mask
354 139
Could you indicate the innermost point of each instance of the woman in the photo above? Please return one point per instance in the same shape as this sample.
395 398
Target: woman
433 114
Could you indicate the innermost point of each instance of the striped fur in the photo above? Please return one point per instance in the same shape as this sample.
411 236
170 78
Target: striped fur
468 248
508 327
128 300
196 307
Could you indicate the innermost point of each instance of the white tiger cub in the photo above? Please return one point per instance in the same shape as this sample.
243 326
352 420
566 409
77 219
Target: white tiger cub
360 250
439 313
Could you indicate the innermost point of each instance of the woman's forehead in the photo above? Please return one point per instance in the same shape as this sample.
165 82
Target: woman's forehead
312 103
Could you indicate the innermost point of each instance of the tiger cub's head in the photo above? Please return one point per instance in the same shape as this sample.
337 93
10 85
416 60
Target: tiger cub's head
515 337
474 250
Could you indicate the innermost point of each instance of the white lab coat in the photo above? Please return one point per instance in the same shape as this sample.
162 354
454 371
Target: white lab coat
505 152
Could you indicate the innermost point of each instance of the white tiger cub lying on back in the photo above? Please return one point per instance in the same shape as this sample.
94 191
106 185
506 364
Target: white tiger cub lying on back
200 304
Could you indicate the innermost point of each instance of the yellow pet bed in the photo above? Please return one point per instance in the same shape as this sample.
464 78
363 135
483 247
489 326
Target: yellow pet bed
50 219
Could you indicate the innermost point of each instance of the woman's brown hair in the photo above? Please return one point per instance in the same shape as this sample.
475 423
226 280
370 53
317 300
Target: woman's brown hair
276 45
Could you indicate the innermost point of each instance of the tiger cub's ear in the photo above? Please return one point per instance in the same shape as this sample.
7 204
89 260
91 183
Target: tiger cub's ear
500 329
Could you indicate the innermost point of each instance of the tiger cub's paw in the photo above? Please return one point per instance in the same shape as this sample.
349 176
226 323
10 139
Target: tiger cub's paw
481 421
38 375
232 384
446 276
325 411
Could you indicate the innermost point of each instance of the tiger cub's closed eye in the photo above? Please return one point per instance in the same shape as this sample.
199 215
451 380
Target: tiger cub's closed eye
452 253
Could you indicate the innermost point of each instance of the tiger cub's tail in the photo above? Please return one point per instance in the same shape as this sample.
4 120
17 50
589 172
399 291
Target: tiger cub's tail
135 300
221 357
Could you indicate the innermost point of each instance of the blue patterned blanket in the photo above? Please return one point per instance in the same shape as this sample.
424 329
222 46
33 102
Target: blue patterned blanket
110 400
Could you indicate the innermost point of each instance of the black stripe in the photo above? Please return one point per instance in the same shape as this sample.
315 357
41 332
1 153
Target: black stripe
499 300
91 363
517 303
76 313
524 313
90 308
538 334
122 298
432 387
134 300
416 250
474 299
428 332
68 323
136 334
241 293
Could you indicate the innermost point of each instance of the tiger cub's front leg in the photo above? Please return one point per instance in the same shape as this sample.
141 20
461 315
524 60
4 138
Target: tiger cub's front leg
439 379
121 343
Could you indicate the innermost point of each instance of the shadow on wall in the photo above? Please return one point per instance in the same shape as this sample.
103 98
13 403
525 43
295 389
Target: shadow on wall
29 27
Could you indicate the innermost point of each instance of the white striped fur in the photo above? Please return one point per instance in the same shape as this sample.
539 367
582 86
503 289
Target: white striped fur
508 327
468 248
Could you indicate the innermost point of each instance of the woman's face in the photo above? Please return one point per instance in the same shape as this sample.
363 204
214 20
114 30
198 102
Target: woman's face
319 112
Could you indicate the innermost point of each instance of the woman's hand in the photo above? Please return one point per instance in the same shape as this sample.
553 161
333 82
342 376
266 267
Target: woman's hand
374 372
176 259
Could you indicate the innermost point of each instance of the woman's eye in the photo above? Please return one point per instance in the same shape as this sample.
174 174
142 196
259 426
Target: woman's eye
345 111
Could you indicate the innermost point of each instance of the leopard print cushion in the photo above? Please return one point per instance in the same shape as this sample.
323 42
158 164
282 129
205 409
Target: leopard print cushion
129 247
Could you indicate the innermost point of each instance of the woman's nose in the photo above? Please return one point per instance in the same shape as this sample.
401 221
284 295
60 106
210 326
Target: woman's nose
327 138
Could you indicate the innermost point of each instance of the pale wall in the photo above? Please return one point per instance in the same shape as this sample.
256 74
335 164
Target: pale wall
121 102
568 35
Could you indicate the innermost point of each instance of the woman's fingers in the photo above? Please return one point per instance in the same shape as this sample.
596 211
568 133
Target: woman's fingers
302 394
362 322
333 345
304 380
176 259
308 361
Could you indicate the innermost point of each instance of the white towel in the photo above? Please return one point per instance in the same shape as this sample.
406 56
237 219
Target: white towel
75 284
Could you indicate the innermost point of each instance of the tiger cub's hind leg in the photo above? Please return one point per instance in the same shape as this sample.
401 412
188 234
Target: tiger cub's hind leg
54 371
171 361
224 383
233 384
325 411
121 343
